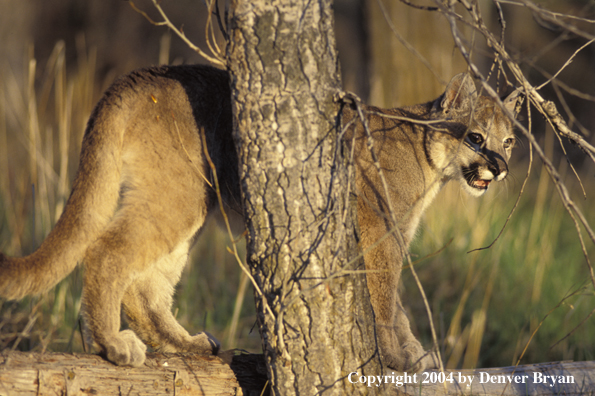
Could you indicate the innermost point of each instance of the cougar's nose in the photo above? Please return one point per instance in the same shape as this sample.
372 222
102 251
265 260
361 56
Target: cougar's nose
499 169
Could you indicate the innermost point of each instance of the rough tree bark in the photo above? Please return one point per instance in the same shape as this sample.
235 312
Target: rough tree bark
315 318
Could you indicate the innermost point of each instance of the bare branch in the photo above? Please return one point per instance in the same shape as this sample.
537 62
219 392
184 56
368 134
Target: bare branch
546 11
426 8
216 59
557 19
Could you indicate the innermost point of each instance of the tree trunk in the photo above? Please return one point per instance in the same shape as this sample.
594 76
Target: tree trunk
315 317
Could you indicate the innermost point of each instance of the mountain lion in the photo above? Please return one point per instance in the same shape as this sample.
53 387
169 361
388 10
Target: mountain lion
143 191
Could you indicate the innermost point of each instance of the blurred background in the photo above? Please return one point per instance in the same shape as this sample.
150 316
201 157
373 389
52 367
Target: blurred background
529 295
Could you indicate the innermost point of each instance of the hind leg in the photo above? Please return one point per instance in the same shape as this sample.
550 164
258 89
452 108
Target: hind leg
107 275
139 257
147 304
141 254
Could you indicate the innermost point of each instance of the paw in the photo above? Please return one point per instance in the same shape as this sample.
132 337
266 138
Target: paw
414 357
126 349
404 361
204 343
407 357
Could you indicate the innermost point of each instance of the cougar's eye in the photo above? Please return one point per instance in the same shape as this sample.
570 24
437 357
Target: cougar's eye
509 143
475 138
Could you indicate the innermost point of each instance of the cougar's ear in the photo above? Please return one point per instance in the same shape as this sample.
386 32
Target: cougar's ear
513 102
460 94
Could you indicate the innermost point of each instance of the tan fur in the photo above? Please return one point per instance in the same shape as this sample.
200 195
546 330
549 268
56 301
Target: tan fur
144 190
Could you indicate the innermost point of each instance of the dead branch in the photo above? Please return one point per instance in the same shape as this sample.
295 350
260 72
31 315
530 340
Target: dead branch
217 58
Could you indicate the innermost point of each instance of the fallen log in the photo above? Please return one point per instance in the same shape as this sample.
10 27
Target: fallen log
245 374
24 374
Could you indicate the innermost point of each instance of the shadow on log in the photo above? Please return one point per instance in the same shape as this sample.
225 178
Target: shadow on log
191 374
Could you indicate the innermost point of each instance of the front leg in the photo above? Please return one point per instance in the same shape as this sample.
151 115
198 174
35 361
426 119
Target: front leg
399 348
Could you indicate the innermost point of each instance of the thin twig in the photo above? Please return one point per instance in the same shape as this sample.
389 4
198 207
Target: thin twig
568 62
557 19
573 330
202 175
409 47
419 7
546 11
228 228
210 32
215 59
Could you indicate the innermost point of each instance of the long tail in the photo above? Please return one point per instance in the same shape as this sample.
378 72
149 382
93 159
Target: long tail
90 206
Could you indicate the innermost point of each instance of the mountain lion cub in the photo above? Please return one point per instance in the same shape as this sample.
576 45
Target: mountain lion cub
143 191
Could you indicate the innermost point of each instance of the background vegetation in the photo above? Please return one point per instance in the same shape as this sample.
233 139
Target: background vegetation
56 58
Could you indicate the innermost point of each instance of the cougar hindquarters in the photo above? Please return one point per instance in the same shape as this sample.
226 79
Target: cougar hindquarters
167 116
141 194
418 149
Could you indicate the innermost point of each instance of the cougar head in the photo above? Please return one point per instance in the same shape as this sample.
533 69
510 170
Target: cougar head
472 138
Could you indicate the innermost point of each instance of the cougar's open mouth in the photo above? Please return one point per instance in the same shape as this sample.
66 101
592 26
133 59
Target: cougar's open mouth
480 184
472 178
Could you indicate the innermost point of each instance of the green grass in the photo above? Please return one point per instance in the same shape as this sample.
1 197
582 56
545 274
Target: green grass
485 305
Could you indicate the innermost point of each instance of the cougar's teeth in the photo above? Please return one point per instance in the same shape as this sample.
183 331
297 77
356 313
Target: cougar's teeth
482 184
